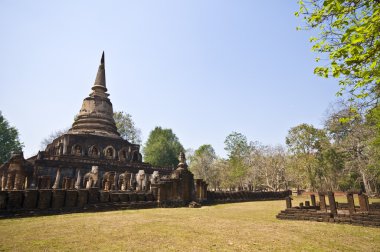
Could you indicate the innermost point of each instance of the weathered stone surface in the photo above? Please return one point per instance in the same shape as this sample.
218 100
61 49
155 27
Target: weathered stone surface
82 198
363 202
71 198
93 195
322 201
114 197
288 202
15 199
44 198
58 198
30 199
104 196
312 198
3 199
132 197
351 203
124 197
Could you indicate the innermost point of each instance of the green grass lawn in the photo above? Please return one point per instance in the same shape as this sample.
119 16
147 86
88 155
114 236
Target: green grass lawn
249 226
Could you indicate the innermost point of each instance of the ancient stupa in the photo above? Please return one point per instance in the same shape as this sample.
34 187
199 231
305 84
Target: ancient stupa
92 141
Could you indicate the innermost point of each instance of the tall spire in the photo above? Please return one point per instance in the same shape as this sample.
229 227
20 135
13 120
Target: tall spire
96 115
99 87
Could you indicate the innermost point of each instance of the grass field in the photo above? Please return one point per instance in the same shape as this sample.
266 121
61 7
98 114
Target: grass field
249 226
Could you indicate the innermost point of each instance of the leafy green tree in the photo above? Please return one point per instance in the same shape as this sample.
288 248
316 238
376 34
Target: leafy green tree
349 34
305 142
9 140
162 148
238 152
201 162
353 138
126 127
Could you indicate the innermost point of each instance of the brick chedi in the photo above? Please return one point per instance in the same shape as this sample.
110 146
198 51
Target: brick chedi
92 164
96 114
91 148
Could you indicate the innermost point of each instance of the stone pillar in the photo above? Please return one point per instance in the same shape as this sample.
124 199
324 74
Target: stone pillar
363 202
205 191
77 183
10 182
288 202
57 179
154 188
312 198
332 203
161 193
322 201
19 182
351 203
3 182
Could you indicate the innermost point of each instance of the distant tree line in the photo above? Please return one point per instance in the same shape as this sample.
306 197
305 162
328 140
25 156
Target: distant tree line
343 155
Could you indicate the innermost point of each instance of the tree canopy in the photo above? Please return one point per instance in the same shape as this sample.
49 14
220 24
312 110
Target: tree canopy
126 127
9 140
202 163
162 148
349 34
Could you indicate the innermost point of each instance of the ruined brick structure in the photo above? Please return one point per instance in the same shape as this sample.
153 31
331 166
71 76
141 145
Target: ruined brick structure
92 166
346 213
91 163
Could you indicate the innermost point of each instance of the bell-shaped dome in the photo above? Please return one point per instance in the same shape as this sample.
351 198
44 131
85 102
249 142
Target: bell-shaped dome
96 115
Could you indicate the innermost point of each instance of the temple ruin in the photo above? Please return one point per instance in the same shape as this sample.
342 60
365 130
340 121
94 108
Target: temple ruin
92 164
365 214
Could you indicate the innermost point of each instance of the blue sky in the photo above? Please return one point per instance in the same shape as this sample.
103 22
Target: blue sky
202 68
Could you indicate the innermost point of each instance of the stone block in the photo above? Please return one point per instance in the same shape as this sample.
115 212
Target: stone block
15 199
71 198
132 197
123 197
104 196
58 198
3 199
312 198
93 195
149 197
82 198
332 203
30 199
114 197
288 202
140 196
44 198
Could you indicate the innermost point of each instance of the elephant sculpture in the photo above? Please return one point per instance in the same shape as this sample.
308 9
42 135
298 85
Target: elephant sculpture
109 181
91 178
125 181
141 179
155 178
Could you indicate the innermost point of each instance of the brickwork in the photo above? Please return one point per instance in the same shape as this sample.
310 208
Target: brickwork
365 215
